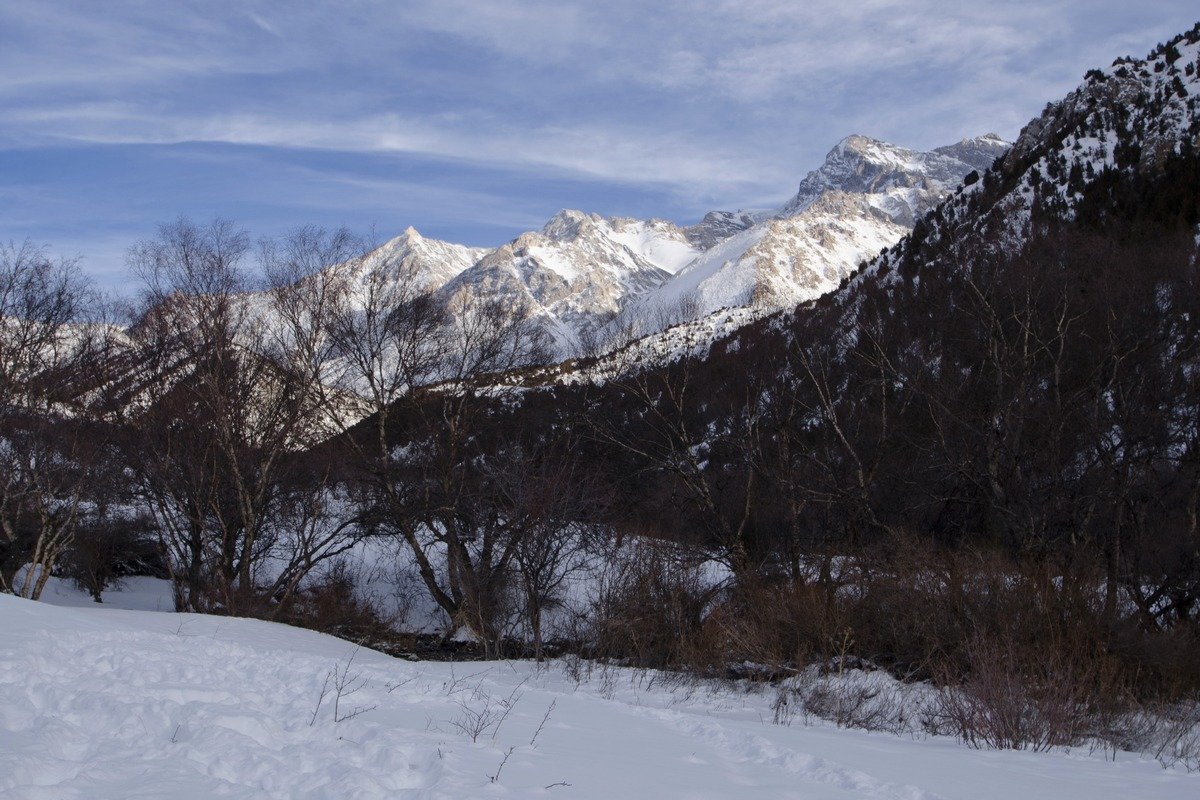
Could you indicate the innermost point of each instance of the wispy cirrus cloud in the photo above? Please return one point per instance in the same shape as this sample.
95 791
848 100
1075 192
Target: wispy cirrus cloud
677 107
609 154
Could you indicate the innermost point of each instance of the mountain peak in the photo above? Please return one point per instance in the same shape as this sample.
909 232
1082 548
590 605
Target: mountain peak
720 225
978 152
859 143
864 165
567 223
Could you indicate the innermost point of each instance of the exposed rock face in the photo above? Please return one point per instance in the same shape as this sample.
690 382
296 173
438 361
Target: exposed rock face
719 225
864 197
578 271
903 183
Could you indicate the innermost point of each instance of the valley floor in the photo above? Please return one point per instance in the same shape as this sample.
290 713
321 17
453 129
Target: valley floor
108 703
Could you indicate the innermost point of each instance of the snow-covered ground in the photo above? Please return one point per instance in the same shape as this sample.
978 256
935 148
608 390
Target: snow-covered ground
98 702
138 593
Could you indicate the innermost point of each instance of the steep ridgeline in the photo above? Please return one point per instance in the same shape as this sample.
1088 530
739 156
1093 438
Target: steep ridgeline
1123 143
864 198
578 271
1098 199
903 184
430 263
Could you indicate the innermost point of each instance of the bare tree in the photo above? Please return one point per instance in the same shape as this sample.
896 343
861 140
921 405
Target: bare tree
231 399
557 509
426 373
711 465
47 356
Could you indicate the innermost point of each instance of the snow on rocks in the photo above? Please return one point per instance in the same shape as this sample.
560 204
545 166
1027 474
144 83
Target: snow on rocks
865 197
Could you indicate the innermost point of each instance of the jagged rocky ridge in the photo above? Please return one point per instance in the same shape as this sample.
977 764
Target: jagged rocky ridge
863 198
579 270
598 282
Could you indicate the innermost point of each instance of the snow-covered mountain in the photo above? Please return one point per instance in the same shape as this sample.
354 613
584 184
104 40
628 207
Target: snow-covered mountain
780 261
864 197
719 225
579 271
1122 144
589 278
902 183
430 263
595 281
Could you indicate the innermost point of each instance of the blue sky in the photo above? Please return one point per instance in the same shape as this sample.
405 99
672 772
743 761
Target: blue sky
474 121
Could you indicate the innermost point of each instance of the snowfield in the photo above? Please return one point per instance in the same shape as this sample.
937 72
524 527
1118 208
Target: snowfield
106 703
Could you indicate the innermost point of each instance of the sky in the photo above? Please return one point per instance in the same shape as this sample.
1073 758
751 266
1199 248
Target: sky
475 121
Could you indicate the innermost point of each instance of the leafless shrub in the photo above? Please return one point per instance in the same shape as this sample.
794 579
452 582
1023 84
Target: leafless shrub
866 705
1024 698
783 709
542 724
575 667
321 698
769 629
1168 732
456 683
1178 743
507 754
346 684
342 683
391 687
651 608
484 714
335 603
